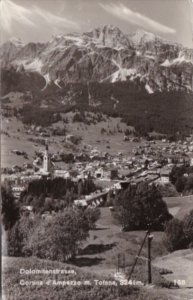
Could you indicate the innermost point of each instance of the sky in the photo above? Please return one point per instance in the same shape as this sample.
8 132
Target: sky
39 20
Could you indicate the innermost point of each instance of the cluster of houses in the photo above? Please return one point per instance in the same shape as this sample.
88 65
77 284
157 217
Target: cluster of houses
150 161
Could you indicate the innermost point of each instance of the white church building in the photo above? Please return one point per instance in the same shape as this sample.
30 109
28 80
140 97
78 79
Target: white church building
48 166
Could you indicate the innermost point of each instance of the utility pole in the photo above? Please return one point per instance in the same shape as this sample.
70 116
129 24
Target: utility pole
118 262
149 239
138 255
121 262
124 263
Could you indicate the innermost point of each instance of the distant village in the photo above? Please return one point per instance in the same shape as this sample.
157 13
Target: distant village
150 161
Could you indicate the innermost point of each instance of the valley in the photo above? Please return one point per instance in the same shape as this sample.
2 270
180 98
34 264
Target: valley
96 153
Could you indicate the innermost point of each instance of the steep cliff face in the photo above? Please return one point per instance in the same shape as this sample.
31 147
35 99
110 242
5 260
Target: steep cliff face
105 54
30 51
109 36
9 50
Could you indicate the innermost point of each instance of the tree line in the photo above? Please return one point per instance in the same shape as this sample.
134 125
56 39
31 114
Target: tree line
55 194
58 235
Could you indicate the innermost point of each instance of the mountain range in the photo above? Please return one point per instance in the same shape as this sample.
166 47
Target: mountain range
103 55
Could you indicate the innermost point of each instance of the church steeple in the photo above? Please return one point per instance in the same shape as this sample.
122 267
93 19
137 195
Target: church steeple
46 160
90 100
47 165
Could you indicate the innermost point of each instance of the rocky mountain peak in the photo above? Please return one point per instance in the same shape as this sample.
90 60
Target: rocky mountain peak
9 50
109 36
16 41
106 54
141 36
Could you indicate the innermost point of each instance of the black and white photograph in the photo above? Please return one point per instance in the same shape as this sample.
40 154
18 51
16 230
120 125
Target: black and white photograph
96 149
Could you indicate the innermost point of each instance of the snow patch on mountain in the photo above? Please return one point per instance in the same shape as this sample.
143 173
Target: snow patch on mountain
150 56
47 79
77 40
122 74
178 60
181 59
116 63
148 89
166 63
33 66
57 83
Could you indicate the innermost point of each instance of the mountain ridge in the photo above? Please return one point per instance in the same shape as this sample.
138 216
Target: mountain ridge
105 54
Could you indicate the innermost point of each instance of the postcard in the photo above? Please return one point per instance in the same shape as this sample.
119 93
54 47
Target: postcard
96 149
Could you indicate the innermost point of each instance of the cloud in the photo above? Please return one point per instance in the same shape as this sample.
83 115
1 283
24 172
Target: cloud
123 12
12 13
54 20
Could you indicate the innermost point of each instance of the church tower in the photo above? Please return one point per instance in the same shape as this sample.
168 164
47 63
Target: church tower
90 100
46 163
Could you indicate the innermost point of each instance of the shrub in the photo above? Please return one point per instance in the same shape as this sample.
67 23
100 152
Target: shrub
18 235
56 237
92 215
79 118
59 237
175 238
188 227
10 210
180 184
141 206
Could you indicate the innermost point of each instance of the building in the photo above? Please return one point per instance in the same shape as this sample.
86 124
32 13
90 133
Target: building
99 173
46 161
164 176
48 166
17 190
62 173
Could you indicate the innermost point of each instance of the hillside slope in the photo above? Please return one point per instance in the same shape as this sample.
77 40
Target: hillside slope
13 289
181 264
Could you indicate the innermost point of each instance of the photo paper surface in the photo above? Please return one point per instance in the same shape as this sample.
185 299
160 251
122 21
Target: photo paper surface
96 149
